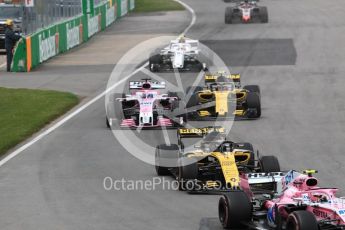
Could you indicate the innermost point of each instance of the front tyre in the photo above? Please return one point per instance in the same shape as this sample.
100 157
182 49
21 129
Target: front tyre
253 105
301 220
228 15
263 14
269 164
166 157
154 62
234 210
253 88
187 173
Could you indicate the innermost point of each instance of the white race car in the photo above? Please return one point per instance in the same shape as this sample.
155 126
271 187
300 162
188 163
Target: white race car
181 54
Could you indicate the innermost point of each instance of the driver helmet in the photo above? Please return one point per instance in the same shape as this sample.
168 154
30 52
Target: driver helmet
226 147
182 39
319 198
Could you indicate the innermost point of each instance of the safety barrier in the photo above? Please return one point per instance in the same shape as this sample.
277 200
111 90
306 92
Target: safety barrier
63 36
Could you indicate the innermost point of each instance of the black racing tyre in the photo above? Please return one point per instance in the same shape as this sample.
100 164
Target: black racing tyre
107 122
249 146
253 102
193 101
154 62
263 14
166 155
301 220
172 94
187 172
179 95
228 15
198 66
234 209
188 168
269 164
253 88
117 108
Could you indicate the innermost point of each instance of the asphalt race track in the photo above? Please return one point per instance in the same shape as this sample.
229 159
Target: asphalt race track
297 59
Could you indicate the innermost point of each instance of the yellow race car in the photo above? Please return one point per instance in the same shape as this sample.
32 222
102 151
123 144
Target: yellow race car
211 162
223 97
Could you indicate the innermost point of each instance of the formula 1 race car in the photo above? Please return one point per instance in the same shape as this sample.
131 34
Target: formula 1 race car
213 163
223 97
145 107
291 201
181 54
246 11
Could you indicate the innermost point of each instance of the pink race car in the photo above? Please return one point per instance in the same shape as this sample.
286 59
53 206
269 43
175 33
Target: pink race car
145 107
291 201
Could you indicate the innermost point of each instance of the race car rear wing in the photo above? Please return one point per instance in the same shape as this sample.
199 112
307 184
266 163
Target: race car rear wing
209 78
198 132
276 181
141 84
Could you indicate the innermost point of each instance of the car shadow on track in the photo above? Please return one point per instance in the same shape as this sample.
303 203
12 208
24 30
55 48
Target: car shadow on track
210 223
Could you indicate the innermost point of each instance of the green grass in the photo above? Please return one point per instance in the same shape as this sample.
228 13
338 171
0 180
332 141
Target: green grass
156 5
24 112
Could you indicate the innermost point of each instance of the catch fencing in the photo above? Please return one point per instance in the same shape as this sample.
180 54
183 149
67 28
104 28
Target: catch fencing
68 28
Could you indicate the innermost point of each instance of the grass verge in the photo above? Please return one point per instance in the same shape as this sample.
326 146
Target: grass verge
24 112
142 6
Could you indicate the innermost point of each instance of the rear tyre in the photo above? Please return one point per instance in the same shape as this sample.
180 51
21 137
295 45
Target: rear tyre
228 15
234 209
154 62
263 14
301 220
198 66
175 103
187 173
192 93
269 164
253 103
253 88
166 157
107 122
193 101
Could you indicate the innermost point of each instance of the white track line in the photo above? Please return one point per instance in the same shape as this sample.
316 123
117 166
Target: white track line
190 9
65 119
89 103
